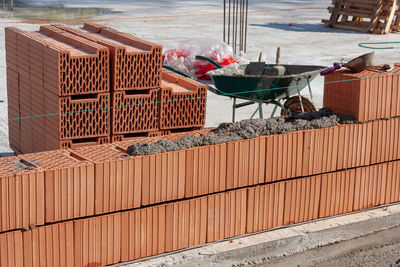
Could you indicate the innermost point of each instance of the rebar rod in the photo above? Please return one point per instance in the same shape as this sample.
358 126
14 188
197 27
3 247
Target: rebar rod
224 19
245 23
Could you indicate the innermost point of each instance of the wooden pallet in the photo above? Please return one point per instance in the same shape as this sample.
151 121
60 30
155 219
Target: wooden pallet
370 16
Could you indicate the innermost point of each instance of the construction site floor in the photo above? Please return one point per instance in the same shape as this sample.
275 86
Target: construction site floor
293 25
369 238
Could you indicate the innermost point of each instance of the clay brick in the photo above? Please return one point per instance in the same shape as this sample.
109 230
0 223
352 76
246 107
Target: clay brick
135 113
78 118
183 102
62 170
75 143
376 142
301 199
308 147
269 158
232 169
135 63
265 207
24 207
366 95
118 177
11 249
138 136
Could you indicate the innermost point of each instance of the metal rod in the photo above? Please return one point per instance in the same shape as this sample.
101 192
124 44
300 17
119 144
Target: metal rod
233 109
233 26
254 113
274 110
229 22
240 23
309 88
245 31
236 26
224 19
243 25
260 110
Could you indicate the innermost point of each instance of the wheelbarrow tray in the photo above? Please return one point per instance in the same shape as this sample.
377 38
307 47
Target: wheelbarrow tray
262 88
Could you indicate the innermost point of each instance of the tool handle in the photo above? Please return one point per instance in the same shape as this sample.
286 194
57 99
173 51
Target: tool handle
278 56
209 60
331 69
260 57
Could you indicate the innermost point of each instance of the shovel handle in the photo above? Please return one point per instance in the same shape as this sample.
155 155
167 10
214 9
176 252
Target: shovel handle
331 69
278 56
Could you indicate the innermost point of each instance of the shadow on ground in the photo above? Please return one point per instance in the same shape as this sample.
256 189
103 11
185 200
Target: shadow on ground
301 27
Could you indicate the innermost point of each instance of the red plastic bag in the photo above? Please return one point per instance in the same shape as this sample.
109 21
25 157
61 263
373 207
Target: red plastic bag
183 57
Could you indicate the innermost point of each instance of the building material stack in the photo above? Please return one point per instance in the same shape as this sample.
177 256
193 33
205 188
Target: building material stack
98 205
376 16
147 100
58 90
70 87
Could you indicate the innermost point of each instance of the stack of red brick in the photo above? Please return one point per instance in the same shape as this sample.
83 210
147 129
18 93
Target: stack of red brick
69 87
58 89
368 95
96 205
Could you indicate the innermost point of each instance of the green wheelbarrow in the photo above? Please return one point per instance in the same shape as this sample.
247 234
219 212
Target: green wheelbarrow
282 91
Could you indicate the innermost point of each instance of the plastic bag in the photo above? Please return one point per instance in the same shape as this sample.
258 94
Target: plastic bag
183 58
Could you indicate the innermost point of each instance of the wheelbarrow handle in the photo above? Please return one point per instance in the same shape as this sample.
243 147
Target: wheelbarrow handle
331 69
209 60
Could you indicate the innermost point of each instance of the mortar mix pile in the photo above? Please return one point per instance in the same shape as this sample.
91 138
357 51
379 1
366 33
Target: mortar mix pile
245 129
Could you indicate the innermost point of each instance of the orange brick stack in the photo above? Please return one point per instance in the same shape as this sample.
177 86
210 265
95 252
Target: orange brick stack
58 90
182 99
146 100
368 95
106 207
96 205
71 87
135 79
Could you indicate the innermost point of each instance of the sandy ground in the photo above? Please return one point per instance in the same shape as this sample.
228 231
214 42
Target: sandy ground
307 41
378 249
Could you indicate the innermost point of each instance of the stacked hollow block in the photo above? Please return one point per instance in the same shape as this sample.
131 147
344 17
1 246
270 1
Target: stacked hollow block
136 75
69 87
58 89
98 205
367 95
147 100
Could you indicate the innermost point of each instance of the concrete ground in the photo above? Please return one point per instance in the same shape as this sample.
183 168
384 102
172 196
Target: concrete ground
168 22
295 26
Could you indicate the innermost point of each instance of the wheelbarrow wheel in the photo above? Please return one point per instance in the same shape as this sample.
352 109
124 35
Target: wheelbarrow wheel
293 106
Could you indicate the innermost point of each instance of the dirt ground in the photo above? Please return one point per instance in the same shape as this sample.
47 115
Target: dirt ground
378 249
386 255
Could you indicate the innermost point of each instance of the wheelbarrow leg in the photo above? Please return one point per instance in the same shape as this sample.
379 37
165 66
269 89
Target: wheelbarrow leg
301 101
254 113
260 111
233 109
273 111
309 87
